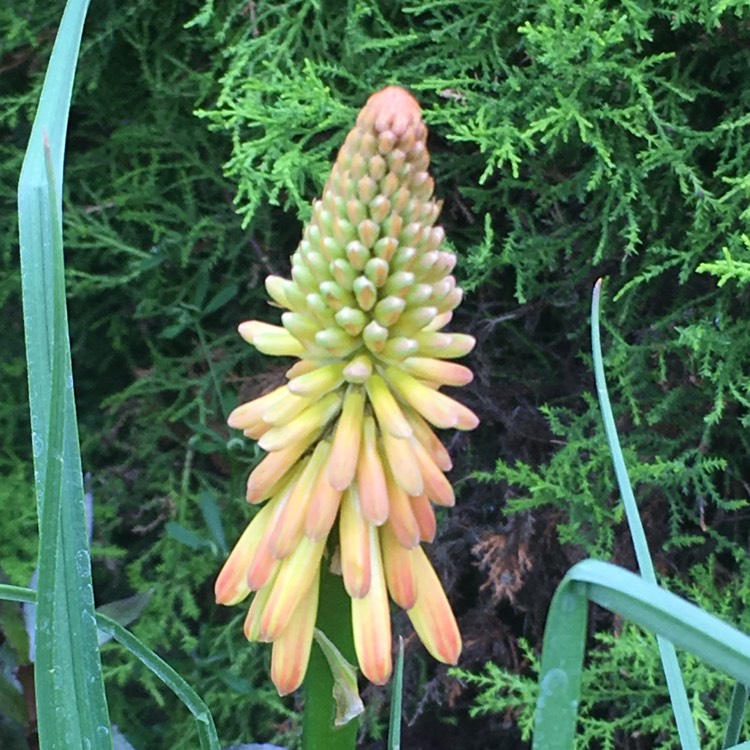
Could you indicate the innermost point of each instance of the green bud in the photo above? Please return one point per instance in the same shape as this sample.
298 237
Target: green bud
376 167
444 345
375 336
343 273
399 283
415 320
365 293
404 259
400 200
368 232
389 185
359 369
379 208
295 296
385 247
376 271
304 278
335 341
358 254
330 249
435 238
313 235
367 188
425 264
275 289
358 166
356 211
302 327
343 231
418 295
352 320
316 263
420 159
335 295
440 289
396 161
369 144
386 142
318 307
388 310
446 262
400 348
411 234
392 225
451 300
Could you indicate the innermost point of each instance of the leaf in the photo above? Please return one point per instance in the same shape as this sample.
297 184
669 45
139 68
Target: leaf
186 536
348 703
71 703
124 611
397 691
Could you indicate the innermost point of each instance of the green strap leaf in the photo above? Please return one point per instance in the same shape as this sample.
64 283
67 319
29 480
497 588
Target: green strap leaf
71 703
642 602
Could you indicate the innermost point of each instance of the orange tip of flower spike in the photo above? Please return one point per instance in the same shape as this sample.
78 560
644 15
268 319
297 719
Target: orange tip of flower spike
291 650
295 576
231 584
391 109
432 616
399 572
371 621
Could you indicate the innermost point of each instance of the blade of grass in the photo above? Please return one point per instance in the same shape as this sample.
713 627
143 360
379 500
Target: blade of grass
638 600
206 729
71 703
672 672
397 692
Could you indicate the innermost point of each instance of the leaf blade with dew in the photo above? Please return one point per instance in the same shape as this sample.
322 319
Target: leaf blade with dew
69 686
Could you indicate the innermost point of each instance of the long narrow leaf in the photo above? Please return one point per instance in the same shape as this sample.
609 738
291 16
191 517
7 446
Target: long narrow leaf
108 626
397 693
640 601
561 671
672 672
71 704
737 708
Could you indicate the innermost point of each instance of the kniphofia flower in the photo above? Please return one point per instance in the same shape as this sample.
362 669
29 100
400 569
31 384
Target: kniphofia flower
349 436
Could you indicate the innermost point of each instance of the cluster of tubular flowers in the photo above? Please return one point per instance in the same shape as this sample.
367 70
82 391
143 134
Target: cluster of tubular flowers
349 437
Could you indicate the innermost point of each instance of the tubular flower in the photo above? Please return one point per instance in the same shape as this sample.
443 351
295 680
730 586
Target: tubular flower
350 435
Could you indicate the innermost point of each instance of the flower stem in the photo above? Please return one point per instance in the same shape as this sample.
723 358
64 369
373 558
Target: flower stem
334 619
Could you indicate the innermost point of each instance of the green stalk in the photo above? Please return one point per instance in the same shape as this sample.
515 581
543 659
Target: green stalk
335 621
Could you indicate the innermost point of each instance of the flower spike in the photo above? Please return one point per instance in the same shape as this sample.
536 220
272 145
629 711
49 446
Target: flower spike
349 434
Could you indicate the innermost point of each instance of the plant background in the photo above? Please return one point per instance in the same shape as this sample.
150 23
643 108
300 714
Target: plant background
569 140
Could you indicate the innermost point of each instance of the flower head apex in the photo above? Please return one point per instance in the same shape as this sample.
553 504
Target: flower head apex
349 437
